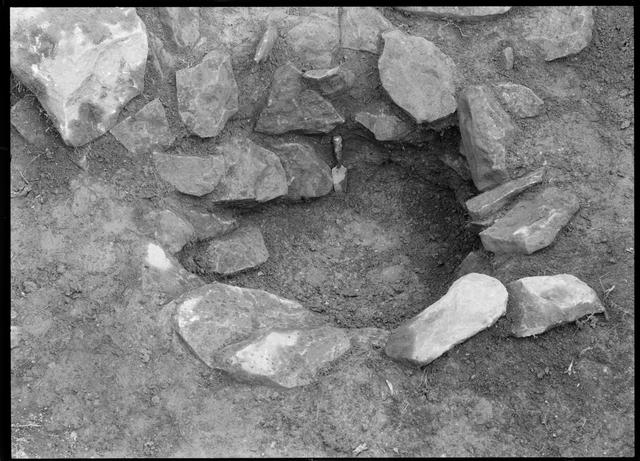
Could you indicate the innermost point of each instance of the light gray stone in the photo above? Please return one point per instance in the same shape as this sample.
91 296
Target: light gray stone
314 40
170 230
339 178
266 42
237 251
507 53
15 336
191 175
475 261
361 28
330 81
146 131
183 24
308 175
461 13
205 224
384 126
518 99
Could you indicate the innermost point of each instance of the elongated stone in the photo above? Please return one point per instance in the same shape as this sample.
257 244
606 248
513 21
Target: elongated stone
461 13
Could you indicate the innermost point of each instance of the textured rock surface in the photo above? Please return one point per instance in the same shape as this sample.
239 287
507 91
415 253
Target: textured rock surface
531 224
315 40
83 64
457 163
507 54
518 99
25 117
537 304
486 131
330 81
234 252
207 94
466 13
190 175
484 205
292 108
183 24
339 178
205 224
361 28
475 261
418 76
307 174
251 173
146 131
384 126
170 230
472 304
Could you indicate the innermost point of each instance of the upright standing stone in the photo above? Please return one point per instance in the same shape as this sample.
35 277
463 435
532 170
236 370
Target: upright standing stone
361 28
146 131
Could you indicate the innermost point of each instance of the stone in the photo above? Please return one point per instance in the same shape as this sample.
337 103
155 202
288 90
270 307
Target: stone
531 224
205 224
486 204
329 11
207 94
507 53
487 132
146 131
251 173
83 64
26 118
170 230
15 336
461 13
384 126
183 24
339 178
308 175
163 60
473 303
361 28
292 108
558 31
266 42
330 81
235 252
537 304
456 162
191 175
314 40
418 76
518 99
475 261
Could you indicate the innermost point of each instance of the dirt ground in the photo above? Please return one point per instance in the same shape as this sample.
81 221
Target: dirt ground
97 374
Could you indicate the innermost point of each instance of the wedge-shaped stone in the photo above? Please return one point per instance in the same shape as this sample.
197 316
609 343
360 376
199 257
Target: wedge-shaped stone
518 99
473 303
531 224
384 126
190 175
462 13
484 205
237 251
205 224
537 304
170 230
361 28
308 175
146 131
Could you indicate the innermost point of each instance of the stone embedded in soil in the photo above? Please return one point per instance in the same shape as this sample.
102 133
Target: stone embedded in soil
146 131
163 60
190 175
507 54
183 24
487 132
473 303
292 108
418 76
457 163
339 179
462 13
251 173
205 224
384 126
484 205
314 40
537 304
518 99
25 117
15 336
83 64
531 224
266 42
207 94
235 252
330 81
361 28
308 175
475 261
170 230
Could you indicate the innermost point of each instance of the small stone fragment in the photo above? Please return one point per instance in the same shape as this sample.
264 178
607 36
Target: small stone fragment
508 58
330 81
537 304
26 118
266 42
308 175
462 13
384 126
237 251
473 303
191 175
171 230
146 131
183 24
315 40
361 28
15 336
518 99
531 224
339 177
336 141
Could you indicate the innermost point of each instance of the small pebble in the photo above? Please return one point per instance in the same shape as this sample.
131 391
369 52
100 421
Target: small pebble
155 400
624 125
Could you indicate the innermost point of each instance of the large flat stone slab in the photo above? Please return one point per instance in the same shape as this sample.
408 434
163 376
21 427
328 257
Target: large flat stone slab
473 303
235 252
146 131
190 175
461 13
308 176
537 304
531 224
362 27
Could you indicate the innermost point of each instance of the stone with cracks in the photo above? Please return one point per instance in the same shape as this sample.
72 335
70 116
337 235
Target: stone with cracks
251 173
384 126
237 251
361 28
146 131
25 117
537 304
183 24
418 76
207 94
484 205
531 224
292 108
518 99
190 175
170 230
487 132
461 13
330 81
83 64
314 40
473 303
308 175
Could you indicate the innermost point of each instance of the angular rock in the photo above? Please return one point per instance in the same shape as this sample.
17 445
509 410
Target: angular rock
266 42
473 303
418 76
83 64
290 107
475 261
183 24
361 28
486 131
531 224
146 131
170 230
461 13
25 117
330 81
191 175
235 252
164 61
308 175
537 304
339 178
518 99
507 53
207 94
315 40
251 173
484 205
206 225
384 126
